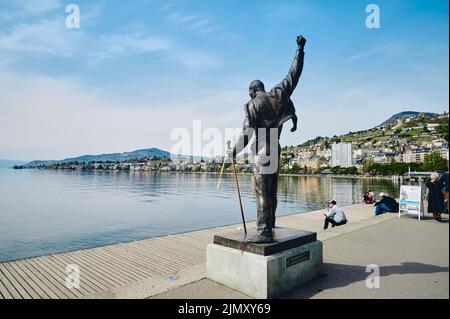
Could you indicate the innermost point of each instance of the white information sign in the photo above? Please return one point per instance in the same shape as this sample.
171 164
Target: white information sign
410 200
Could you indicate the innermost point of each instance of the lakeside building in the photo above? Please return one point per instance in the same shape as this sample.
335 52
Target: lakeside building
342 154
415 155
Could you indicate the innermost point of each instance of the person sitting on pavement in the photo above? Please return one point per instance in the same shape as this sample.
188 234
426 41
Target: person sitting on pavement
386 204
335 216
368 198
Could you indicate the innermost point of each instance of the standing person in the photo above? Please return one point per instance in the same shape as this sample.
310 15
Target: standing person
386 204
335 216
435 197
443 181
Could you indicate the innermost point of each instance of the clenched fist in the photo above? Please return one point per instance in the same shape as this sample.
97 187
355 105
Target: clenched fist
301 41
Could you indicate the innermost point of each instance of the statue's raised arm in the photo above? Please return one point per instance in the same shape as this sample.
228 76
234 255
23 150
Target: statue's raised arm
289 83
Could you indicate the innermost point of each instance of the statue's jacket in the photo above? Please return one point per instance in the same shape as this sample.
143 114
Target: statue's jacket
272 109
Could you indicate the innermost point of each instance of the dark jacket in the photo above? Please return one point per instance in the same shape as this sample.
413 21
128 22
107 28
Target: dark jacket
270 109
435 197
443 181
389 202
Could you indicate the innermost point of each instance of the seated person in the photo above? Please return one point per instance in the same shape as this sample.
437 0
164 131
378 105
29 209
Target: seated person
368 198
386 204
335 216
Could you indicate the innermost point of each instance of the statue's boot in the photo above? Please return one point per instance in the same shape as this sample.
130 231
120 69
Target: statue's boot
260 239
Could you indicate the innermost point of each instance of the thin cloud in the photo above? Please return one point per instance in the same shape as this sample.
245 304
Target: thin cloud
52 38
365 54
181 19
118 45
388 49
192 23
130 44
46 37
26 9
195 58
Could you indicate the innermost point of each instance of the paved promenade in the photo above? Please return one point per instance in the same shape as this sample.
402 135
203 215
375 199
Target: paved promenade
413 259
174 266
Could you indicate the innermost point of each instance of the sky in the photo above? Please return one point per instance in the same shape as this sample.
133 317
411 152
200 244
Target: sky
133 72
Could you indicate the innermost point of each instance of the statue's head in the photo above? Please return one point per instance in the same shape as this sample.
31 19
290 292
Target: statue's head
255 87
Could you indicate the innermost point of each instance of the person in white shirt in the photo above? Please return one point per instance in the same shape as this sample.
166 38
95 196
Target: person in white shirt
335 216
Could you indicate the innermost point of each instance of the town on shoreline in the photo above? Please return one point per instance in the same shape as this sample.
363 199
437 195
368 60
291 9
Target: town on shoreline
404 144
391 170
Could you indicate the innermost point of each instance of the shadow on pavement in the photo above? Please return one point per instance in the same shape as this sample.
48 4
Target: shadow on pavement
338 275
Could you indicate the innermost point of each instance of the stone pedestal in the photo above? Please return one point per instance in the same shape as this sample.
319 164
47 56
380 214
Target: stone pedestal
264 270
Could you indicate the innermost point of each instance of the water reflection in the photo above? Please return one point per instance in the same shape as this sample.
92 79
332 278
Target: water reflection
44 212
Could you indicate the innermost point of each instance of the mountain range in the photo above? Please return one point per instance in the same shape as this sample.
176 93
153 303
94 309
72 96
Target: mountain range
113 157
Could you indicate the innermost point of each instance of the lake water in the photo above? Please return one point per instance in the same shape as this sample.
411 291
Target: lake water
44 211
